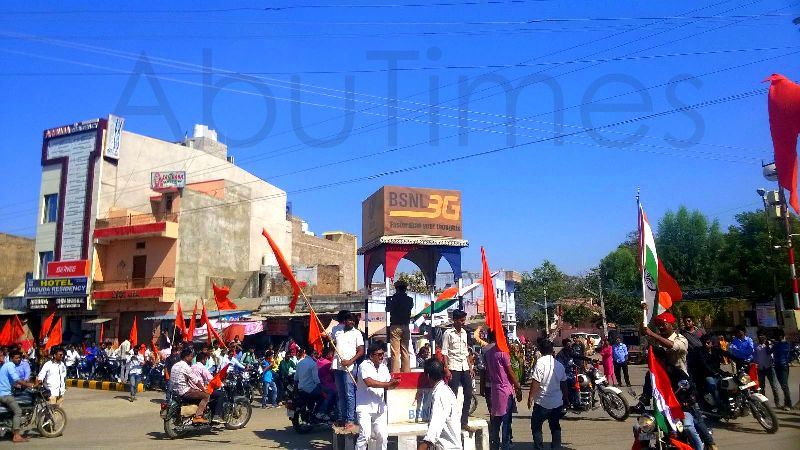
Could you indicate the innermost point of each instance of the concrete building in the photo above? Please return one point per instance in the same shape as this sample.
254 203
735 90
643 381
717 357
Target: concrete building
16 253
336 249
131 224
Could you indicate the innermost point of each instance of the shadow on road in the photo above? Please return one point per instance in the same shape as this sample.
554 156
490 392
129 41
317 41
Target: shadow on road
289 439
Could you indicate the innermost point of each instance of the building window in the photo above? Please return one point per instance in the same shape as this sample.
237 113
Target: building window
50 213
140 245
44 258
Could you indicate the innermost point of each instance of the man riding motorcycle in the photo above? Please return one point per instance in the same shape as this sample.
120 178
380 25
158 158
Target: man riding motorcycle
188 385
8 380
571 356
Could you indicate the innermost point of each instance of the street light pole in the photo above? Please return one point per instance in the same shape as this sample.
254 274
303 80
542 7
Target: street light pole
787 225
778 300
602 305
546 316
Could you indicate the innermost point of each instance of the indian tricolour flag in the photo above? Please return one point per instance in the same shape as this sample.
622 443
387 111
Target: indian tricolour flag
667 410
659 289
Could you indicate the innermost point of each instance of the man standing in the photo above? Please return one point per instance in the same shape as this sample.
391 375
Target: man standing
504 386
185 383
690 327
742 346
781 352
763 357
373 380
619 353
443 433
350 345
53 376
455 350
8 379
399 308
72 359
549 388
132 371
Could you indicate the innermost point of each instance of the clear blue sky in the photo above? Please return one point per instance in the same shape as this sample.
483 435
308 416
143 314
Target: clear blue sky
571 202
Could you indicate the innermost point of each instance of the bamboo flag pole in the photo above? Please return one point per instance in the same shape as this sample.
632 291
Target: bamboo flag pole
322 327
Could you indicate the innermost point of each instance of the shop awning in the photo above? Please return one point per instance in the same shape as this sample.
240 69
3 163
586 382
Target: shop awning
227 315
99 320
10 312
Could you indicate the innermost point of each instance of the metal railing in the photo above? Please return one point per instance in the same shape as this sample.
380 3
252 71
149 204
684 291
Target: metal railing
135 219
134 283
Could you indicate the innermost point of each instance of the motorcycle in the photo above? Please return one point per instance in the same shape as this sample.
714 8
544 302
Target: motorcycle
648 435
177 413
48 420
107 369
593 384
240 384
739 396
254 380
154 377
300 410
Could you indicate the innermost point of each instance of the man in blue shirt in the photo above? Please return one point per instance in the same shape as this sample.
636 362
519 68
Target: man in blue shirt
8 379
742 346
24 369
619 353
780 359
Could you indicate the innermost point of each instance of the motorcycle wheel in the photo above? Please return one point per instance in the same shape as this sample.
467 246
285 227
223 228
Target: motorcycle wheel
615 405
52 423
473 404
240 414
764 415
172 431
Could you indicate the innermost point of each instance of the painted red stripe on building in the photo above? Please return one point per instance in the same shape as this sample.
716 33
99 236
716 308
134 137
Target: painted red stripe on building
157 227
129 293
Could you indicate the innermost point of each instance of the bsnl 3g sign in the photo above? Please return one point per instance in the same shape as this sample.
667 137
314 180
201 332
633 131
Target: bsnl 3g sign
396 210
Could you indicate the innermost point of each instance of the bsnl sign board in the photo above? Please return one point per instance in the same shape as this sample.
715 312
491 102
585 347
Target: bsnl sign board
396 210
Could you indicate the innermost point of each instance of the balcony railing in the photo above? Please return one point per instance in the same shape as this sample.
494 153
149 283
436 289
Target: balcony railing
135 283
135 219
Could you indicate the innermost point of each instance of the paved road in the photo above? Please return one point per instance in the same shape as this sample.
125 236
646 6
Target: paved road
102 419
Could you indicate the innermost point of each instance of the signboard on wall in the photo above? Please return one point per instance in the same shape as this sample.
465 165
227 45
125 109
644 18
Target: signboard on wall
113 136
397 210
166 181
66 269
60 302
56 287
765 315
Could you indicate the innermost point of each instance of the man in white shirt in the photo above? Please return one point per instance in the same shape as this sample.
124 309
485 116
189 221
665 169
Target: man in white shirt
443 429
350 345
549 388
455 349
71 360
53 376
373 379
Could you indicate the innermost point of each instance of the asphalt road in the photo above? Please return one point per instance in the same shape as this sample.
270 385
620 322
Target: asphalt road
102 419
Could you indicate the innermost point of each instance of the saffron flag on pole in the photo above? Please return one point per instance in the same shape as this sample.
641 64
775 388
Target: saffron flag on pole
783 105
210 328
221 297
54 338
102 329
218 379
667 410
314 333
493 320
17 330
286 270
5 333
659 289
192 324
134 336
48 322
179 322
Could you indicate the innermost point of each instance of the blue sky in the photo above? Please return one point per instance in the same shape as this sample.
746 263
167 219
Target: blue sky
570 201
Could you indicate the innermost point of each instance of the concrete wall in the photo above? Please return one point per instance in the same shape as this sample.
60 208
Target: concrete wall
45 232
213 240
16 252
115 259
335 249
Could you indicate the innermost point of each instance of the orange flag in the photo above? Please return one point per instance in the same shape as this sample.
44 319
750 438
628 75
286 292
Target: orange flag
221 297
5 333
314 333
493 320
54 338
134 336
218 379
46 326
192 324
286 270
17 330
179 322
210 328
102 330
783 104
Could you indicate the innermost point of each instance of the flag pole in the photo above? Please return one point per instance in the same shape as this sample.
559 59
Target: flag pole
641 254
322 327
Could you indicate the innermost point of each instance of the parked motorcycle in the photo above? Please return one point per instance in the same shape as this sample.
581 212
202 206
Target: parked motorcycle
739 396
254 380
593 385
300 410
48 420
153 378
178 413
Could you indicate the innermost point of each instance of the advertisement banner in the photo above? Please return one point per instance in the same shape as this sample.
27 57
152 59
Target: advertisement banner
165 181
66 269
765 315
113 136
397 210
60 302
56 287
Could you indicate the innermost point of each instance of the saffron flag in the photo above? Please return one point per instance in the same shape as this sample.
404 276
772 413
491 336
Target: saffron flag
102 330
218 379
221 297
180 323
17 330
286 270
54 338
192 324
783 105
209 327
46 324
493 320
134 336
659 289
314 333
5 333
667 410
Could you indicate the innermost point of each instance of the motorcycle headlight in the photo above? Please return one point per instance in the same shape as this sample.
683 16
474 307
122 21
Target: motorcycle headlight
647 424
744 378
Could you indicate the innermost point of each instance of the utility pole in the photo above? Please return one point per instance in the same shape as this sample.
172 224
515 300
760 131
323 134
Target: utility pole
788 226
602 304
546 315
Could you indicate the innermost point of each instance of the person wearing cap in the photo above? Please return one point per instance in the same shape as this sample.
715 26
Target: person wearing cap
674 345
399 308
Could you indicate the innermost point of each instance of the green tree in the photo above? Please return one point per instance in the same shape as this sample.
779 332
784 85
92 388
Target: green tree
622 285
690 247
576 314
415 281
545 278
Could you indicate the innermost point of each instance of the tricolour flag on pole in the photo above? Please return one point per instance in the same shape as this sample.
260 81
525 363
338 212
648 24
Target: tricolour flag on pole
659 289
667 410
